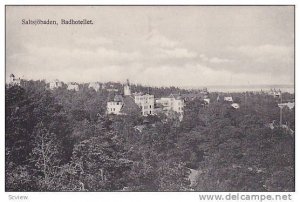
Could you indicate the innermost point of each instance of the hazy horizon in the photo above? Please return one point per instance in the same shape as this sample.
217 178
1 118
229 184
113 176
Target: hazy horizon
139 83
212 88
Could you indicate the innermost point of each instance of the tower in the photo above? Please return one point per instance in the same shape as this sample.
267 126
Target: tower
11 78
127 91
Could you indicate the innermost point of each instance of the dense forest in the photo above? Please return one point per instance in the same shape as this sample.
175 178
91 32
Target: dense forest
62 140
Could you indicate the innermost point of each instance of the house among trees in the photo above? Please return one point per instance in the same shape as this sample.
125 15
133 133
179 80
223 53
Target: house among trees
235 105
275 93
206 100
228 99
289 105
111 87
55 84
171 103
136 102
94 85
73 86
14 81
115 105
144 104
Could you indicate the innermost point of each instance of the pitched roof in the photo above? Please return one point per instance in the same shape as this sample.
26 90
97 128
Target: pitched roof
129 105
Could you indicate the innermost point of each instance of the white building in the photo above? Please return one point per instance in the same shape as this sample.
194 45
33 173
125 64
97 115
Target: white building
275 93
289 105
228 99
14 81
127 91
94 85
206 100
172 103
55 84
131 102
235 105
145 102
114 106
73 86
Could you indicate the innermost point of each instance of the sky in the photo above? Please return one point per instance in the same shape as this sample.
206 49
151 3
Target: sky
154 45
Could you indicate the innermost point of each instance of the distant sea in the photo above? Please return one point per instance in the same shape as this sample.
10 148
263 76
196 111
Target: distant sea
250 88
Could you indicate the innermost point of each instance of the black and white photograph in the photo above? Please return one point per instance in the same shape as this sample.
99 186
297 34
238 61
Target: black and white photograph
153 98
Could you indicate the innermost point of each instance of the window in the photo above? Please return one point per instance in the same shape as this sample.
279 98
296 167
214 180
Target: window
150 106
150 112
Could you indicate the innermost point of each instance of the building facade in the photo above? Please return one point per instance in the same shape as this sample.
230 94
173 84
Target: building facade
228 99
94 85
172 103
73 86
114 106
55 84
141 103
145 102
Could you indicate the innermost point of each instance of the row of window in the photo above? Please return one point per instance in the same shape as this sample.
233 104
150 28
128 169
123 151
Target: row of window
146 107
145 113
115 103
144 99
112 109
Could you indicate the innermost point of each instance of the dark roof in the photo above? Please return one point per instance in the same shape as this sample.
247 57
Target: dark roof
129 105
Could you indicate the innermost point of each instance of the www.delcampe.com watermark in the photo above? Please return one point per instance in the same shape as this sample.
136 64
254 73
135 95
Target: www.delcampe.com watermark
245 197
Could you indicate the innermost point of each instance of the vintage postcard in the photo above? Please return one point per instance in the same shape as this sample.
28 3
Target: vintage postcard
150 99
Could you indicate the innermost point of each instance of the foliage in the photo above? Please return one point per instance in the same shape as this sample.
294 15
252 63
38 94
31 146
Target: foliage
61 140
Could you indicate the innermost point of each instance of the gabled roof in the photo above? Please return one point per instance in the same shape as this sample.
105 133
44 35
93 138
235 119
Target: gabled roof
129 105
